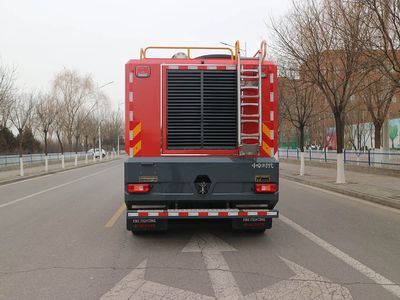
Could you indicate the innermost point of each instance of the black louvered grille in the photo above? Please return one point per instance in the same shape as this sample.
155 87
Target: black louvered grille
201 109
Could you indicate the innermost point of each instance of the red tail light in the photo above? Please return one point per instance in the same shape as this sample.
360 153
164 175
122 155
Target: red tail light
138 188
266 187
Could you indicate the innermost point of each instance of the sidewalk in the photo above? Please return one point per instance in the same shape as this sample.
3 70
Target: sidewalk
382 189
8 176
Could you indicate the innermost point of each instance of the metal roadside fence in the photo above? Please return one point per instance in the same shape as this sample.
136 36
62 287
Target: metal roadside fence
29 159
371 158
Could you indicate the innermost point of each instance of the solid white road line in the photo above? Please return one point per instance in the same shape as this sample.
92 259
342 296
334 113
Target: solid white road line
54 187
352 262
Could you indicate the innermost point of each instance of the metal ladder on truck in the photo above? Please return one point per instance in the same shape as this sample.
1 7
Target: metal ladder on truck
249 89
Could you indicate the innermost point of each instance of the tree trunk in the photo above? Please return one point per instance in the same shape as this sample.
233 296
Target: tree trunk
301 139
69 139
86 143
393 144
76 143
378 130
301 131
60 142
339 122
45 142
20 141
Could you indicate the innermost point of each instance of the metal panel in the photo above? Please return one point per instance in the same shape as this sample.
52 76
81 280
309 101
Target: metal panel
201 109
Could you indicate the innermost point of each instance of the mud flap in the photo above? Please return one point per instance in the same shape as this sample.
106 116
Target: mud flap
252 223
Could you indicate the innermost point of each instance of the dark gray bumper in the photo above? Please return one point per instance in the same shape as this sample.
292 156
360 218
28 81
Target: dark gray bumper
173 181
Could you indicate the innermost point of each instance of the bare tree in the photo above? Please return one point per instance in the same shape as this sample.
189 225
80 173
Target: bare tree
73 91
356 120
7 92
89 131
46 113
299 103
325 40
113 127
58 125
78 127
21 114
384 29
377 96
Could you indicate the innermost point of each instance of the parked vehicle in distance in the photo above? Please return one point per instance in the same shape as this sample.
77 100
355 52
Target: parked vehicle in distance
96 152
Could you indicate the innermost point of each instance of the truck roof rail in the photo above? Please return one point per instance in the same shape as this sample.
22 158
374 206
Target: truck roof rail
143 52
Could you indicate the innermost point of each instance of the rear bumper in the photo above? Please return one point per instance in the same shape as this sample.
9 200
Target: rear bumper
158 219
174 181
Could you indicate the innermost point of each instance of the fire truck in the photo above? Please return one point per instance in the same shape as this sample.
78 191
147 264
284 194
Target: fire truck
201 134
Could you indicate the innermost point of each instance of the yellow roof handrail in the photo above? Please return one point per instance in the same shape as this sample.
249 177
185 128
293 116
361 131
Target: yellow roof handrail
262 50
237 49
187 48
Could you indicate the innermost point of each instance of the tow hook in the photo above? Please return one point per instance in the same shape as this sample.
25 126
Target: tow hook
202 184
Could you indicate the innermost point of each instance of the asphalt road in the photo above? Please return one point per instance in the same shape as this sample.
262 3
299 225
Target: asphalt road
63 237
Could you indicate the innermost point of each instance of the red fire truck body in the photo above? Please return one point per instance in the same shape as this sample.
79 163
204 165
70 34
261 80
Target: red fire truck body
201 138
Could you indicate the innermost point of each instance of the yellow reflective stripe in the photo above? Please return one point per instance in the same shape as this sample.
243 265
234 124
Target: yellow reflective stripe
266 130
137 148
137 130
266 148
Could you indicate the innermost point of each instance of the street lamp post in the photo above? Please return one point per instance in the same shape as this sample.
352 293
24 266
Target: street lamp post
98 113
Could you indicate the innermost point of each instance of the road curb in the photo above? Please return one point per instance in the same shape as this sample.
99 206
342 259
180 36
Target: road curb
369 198
4 182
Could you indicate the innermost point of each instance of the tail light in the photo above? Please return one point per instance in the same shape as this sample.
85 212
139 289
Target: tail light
266 187
138 188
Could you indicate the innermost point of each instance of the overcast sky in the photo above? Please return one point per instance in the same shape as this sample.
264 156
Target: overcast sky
41 37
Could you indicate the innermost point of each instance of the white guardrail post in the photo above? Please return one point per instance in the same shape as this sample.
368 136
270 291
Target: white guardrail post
86 159
62 162
76 160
